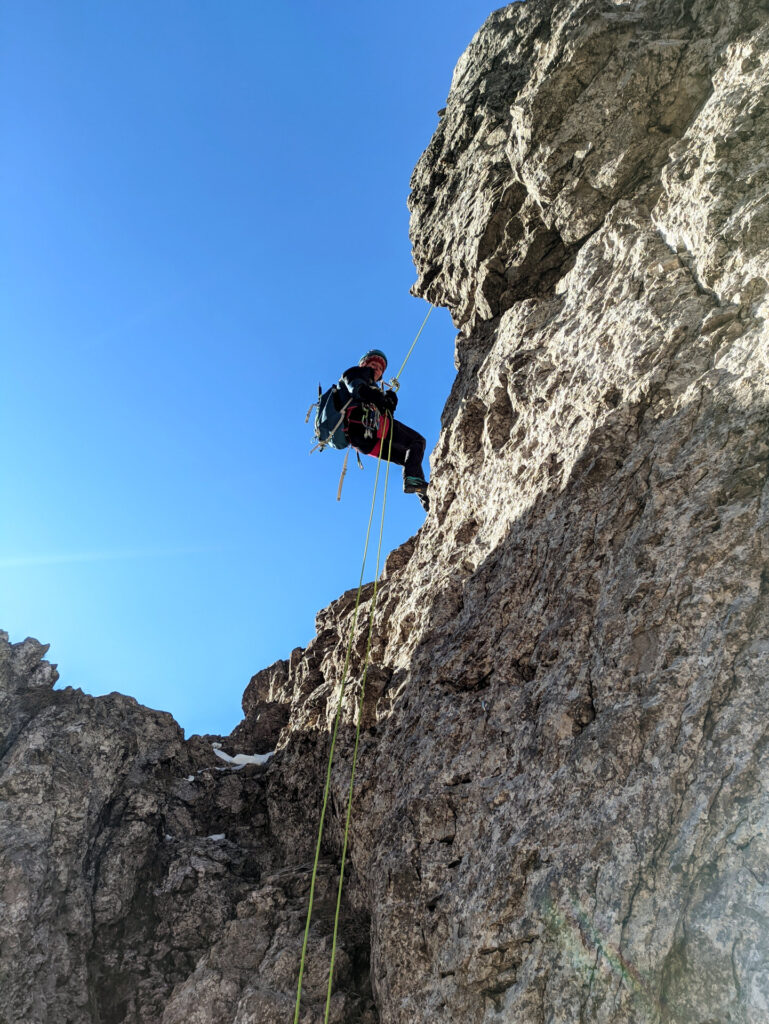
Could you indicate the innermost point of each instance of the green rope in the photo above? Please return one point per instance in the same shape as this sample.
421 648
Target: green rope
338 716
333 739
413 343
357 729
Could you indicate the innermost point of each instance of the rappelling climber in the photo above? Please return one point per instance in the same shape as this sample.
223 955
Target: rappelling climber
368 418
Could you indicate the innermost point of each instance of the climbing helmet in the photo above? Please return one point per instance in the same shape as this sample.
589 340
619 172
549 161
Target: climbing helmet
374 354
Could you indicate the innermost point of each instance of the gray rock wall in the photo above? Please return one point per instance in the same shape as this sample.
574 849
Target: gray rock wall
561 809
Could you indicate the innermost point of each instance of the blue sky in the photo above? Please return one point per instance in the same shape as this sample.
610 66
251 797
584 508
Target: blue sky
202 215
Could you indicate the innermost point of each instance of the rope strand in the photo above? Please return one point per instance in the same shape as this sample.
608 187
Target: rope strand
337 718
338 714
357 730
413 343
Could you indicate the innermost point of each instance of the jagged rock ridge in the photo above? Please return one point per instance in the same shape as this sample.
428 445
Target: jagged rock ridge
562 808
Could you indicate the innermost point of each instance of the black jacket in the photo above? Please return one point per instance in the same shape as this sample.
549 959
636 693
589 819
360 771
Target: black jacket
359 382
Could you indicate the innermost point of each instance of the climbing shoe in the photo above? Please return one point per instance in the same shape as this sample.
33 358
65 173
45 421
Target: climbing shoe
416 485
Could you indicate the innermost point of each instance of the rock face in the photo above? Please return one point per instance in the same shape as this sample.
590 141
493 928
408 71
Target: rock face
134 869
562 798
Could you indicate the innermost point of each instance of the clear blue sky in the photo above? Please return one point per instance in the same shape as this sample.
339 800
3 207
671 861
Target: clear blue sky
202 215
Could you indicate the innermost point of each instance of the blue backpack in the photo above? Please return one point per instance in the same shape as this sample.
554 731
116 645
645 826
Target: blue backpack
329 421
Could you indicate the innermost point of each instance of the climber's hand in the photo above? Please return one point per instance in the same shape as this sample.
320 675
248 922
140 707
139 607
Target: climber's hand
391 401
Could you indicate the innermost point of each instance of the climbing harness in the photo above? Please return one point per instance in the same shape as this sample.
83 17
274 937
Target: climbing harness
394 384
370 420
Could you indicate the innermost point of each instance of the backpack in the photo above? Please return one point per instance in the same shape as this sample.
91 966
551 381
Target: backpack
329 421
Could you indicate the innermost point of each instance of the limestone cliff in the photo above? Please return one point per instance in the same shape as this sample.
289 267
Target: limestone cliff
562 807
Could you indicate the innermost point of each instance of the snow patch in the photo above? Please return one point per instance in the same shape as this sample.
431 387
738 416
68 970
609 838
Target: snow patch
241 759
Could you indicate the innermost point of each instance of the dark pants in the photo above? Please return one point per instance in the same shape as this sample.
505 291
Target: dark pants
408 449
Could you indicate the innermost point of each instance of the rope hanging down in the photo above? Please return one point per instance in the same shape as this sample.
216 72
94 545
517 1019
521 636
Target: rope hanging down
335 731
394 384
357 734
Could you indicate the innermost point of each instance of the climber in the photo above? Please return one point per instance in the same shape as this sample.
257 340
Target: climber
368 418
